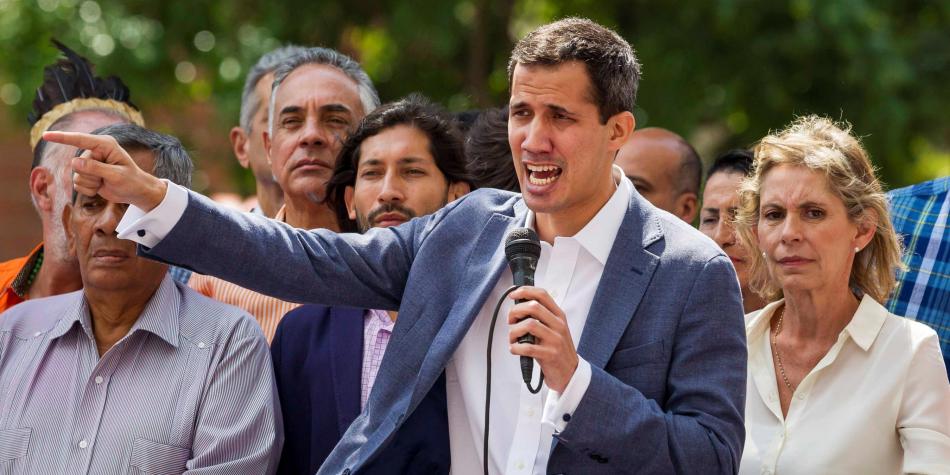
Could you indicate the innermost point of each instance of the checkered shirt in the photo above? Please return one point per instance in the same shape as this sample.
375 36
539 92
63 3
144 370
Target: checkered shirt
920 214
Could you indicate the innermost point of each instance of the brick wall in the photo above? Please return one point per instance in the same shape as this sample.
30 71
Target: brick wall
19 226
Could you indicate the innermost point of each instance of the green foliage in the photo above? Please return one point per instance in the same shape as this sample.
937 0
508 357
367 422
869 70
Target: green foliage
720 73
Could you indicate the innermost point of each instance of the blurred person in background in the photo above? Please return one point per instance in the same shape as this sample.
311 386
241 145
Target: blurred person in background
134 373
247 139
921 214
405 160
666 170
71 98
318 97
716 218
836 383
489 153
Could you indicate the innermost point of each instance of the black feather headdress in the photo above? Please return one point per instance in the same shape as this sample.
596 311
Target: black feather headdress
72 78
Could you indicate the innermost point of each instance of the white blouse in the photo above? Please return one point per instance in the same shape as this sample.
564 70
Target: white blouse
878 402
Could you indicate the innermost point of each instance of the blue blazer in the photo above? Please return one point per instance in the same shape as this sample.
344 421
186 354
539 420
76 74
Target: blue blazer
665 336
318 360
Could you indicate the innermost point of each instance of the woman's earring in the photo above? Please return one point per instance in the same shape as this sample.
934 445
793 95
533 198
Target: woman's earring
857 249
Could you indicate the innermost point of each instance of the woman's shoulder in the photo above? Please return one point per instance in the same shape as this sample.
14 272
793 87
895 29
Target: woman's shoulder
904 331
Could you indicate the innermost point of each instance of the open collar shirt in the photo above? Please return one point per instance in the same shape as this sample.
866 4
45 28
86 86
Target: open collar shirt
522 424
189 389
877 402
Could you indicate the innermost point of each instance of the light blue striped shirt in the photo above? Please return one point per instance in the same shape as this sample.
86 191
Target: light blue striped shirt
190 389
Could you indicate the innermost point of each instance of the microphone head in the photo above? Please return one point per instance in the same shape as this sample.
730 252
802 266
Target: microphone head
522 242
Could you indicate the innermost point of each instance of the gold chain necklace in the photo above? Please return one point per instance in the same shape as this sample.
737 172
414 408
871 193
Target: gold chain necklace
778 356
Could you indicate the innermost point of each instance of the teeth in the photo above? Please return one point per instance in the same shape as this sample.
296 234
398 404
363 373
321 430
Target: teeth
541 181
542 168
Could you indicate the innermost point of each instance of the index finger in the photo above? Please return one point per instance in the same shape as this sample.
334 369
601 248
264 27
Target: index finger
101 147
538 294
76 139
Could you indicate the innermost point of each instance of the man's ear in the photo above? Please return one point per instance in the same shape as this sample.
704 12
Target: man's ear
68 228
348 199
239 145
42 183
267 144
457 190
621 125
687 204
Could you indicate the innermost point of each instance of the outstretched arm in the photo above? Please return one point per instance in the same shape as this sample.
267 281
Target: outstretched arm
317 266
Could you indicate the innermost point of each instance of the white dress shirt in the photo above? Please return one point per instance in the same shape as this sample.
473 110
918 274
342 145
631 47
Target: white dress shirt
878 402
522 424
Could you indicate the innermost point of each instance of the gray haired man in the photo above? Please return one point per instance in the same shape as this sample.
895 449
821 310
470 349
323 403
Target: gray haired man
134 373
318 97
247 139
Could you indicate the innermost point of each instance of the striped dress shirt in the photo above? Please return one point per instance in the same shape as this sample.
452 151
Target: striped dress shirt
190 389
265 309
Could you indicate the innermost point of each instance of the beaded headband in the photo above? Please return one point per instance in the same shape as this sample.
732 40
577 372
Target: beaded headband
82 104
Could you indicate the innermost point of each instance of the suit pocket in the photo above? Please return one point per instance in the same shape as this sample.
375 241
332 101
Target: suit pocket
652 352
152 458
14 443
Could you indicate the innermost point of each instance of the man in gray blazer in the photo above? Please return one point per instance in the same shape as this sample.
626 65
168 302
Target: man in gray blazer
638 319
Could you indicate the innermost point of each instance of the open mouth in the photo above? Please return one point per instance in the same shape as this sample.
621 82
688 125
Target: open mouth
543 174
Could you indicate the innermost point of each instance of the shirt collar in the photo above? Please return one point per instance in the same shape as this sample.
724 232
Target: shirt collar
867 322
863 328
281 214
599 234
159 317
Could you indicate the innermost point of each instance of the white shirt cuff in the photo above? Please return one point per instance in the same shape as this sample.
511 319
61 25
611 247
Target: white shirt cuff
148 229
558 408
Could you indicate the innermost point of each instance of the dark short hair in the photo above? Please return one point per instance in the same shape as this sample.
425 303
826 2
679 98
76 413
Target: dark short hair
489 153
466 119
445 144
691 170
171 159
610 61
738 160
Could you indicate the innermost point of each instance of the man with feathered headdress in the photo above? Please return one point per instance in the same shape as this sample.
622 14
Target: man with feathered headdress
71 98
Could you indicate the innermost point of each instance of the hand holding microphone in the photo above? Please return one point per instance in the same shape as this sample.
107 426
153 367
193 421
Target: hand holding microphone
537 326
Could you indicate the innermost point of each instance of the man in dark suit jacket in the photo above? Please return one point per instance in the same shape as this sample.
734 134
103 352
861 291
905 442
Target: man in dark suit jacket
642 342
325 358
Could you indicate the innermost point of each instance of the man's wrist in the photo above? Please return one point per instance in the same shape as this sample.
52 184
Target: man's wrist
156 191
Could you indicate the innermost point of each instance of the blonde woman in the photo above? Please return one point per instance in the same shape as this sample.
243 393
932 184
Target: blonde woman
836 383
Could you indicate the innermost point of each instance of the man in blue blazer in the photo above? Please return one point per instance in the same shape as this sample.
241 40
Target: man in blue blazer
405 159
655 381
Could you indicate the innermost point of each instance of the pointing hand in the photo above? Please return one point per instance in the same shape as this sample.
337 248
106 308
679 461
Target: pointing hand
106 169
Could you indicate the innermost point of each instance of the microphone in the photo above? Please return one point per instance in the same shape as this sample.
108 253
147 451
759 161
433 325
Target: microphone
522 249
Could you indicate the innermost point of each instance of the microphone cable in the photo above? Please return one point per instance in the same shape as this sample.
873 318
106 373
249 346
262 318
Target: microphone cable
491 337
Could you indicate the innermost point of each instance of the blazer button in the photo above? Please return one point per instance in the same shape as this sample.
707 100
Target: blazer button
346 471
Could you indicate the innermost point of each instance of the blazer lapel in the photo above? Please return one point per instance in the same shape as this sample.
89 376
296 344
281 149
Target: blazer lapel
625 279
346 363
482 270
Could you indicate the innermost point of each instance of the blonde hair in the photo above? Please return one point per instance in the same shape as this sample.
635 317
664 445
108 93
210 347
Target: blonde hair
820 144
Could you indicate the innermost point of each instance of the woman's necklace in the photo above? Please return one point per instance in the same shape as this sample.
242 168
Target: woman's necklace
778 356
